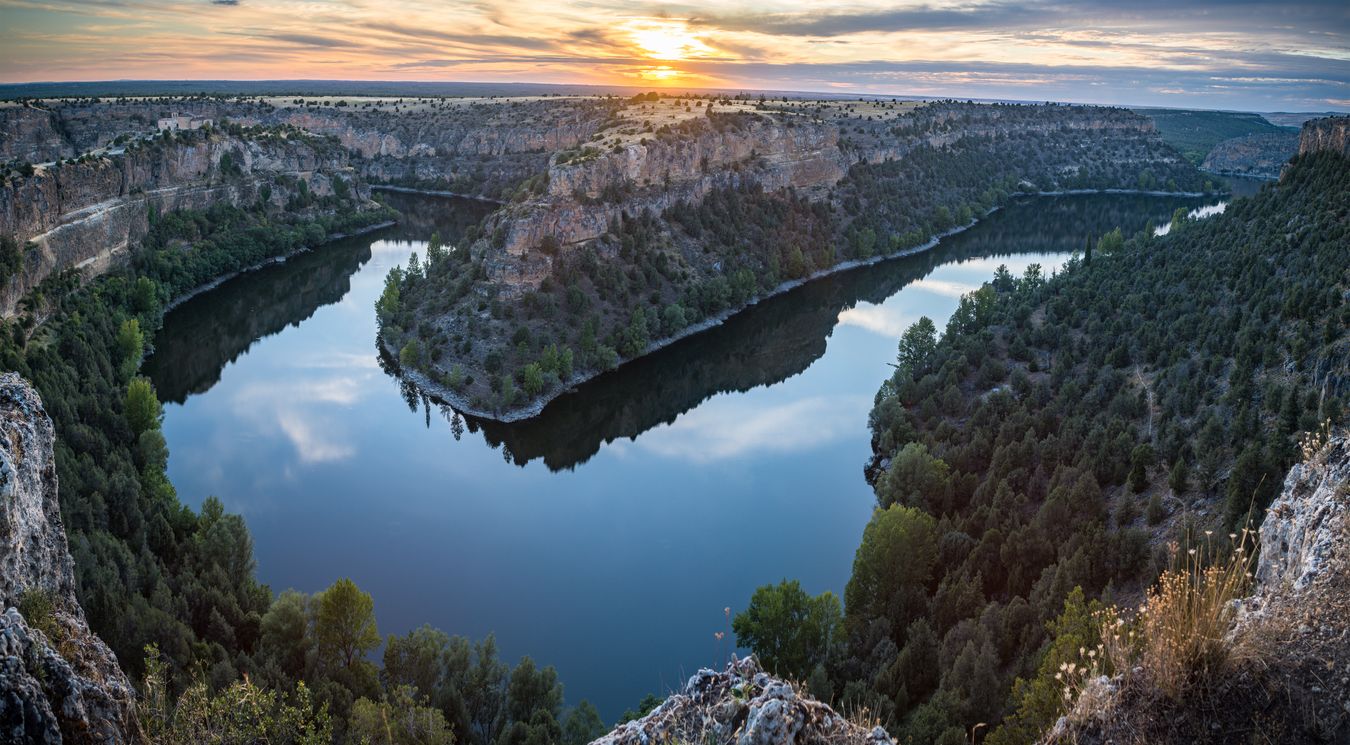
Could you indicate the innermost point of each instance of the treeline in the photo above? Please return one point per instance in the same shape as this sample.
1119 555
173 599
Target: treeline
174 592
1045 448
650 276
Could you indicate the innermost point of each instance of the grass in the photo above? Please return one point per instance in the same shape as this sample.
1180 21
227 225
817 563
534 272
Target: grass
1187 615
1178 641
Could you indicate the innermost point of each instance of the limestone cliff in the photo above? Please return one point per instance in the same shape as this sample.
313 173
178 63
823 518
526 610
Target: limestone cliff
86 214
1331 133
58 681
746 706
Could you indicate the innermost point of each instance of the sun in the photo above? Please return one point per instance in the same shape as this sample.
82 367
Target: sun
667 40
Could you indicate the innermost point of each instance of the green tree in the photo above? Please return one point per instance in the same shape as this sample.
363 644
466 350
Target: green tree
532 378
1141 459
344 624
285 641
915 479
788 630
917 346
410 355
893 568
1179 479
130 345
582 724
1039 700
533 702
142 408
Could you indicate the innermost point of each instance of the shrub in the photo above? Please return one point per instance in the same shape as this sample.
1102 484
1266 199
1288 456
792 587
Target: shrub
1187 614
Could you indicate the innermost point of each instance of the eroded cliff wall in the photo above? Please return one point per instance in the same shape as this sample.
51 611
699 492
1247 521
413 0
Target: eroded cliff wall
85 214
1331 133
58 681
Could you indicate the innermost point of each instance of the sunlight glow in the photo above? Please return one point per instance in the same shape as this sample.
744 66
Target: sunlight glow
667 40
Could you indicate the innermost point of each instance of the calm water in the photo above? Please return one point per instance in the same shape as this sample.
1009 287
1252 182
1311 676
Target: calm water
605 537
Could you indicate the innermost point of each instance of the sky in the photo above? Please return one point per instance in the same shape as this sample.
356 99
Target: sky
1247 55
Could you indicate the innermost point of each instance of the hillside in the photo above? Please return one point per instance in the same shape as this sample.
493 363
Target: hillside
1060 433
1254 155
1195 133
659 230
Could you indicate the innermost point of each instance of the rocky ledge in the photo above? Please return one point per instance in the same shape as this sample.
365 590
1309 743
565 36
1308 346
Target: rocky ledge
746 706
58 681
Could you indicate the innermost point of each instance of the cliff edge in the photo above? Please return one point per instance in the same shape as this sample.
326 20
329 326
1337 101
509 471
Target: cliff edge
1330 133
746 706
1288 674
58 681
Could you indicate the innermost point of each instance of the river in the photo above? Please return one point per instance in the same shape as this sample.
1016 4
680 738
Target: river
606 536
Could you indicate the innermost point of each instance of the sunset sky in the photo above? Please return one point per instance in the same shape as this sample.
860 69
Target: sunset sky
1242 55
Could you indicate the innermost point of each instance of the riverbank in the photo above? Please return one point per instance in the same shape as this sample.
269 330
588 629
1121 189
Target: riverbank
445 395
222 279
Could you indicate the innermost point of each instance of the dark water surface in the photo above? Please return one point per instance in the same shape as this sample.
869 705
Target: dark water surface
606 536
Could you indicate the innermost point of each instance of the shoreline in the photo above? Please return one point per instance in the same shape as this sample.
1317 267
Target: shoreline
459 403
222 279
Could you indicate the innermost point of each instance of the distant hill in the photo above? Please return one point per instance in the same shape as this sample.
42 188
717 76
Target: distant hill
1195 133
1296 118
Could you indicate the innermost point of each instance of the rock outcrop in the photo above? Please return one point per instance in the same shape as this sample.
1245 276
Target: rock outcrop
1331 133
745 706
58 681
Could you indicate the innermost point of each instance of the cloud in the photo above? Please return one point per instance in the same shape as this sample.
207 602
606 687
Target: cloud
1248 54
224 2
732 427
879 319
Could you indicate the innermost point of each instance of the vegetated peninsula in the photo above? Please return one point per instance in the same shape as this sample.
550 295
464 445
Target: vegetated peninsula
678 211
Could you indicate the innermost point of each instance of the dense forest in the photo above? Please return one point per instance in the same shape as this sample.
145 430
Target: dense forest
1047 445
653 276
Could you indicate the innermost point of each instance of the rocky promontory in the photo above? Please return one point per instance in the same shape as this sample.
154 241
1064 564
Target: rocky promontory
58 681
746 706
681 211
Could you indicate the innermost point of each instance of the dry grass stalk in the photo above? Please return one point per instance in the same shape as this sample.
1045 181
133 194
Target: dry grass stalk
1188 614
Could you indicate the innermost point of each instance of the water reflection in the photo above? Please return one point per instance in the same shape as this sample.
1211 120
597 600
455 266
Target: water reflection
783 335
205 334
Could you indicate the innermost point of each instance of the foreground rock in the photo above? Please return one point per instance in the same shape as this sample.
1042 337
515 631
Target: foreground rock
58 681
742 705
1288 677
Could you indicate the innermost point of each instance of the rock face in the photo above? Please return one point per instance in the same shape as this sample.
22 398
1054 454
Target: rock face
746 706
1308 528
58 681
778 151
1257 155
1331 133
85 215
